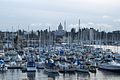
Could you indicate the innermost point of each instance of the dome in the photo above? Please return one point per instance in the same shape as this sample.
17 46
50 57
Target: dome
60 27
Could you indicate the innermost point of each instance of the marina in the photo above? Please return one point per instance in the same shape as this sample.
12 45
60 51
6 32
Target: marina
61 66
59 58
59 40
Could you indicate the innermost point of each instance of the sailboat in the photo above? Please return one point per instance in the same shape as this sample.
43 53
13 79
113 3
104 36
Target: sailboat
31 64
30 58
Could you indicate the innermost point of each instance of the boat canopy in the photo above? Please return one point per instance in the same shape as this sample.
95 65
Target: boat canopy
2 62
61 52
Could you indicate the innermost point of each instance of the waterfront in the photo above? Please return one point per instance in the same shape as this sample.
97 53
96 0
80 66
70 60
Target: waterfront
40 75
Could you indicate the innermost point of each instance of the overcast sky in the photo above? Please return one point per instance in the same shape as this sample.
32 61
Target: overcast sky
40 14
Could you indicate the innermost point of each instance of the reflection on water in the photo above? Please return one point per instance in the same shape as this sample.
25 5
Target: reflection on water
83 75
51 77
31 75
40 75
109 73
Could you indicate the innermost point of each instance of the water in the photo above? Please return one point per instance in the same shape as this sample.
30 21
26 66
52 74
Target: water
40 75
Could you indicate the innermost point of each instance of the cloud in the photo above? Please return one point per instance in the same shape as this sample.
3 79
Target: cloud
55 11
116 20
103 27
36 26
91 23
70 26
106 17
33 25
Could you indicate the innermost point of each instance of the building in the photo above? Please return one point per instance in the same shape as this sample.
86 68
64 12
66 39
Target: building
59 34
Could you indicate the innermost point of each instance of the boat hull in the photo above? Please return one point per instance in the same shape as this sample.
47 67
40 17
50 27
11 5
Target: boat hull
110 68
31 69
82 70
67 71
3 69
51 70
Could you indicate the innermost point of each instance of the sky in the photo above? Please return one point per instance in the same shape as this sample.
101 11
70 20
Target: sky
42 14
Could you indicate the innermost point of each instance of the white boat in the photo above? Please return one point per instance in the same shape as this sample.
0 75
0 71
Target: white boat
111 66
10 56
31 64
108 56
40 65
50 67
18 58
31 69
7 59
80 66
67 69
117 56
51 70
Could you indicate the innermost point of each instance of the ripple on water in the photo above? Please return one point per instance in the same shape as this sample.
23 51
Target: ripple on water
40 75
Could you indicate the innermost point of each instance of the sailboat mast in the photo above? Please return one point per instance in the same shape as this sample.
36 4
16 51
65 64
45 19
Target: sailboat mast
78 31
106 39
28 38
64 25
100 38
39 39
12 38
18 38
49 36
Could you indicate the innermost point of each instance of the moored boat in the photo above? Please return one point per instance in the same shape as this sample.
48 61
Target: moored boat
50 67
31 64
111 66
82 68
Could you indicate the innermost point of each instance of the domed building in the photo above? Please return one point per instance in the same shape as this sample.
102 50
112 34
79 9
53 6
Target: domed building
60 27
59 34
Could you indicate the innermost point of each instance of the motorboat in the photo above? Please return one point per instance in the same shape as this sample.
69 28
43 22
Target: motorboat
111 66
82 68
108 56
40 65
50 67
117 57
